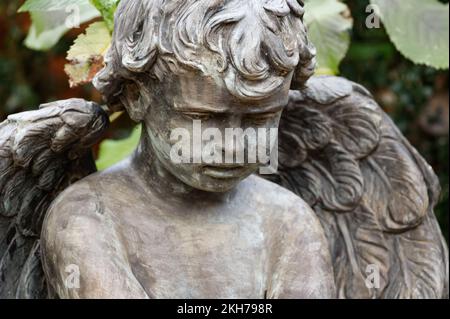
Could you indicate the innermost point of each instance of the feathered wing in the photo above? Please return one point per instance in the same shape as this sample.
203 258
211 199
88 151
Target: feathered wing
41 153
372 191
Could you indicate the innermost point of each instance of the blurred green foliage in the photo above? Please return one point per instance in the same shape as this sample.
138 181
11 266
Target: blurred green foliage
415 96
29 78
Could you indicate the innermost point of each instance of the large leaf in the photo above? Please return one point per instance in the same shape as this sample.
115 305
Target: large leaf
86 55
112 151
50 20
329 24
418 28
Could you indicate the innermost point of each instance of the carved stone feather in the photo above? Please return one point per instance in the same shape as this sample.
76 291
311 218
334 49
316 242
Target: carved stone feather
372 191
41 153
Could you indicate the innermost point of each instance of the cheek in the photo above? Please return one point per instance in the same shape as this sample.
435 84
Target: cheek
164 123
274 123
277 119
179 122
156 120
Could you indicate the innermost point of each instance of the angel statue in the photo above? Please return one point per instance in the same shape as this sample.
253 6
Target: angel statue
348 213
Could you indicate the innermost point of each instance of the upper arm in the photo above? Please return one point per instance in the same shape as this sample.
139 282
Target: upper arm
304 269
83 256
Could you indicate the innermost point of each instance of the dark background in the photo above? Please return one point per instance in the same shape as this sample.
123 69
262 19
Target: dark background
417 97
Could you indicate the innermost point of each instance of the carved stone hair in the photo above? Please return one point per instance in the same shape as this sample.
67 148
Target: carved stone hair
251 44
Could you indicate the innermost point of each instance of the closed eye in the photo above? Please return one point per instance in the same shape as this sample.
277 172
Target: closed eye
197 116
260 119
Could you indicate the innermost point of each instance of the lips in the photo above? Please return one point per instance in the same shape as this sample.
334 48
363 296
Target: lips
225 171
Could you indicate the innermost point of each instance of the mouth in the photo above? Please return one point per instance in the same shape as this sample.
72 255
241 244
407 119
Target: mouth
225 171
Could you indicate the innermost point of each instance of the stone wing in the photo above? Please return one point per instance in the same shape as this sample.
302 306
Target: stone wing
372 191
41 153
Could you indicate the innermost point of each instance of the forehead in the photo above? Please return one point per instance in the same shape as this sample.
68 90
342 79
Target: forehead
193 91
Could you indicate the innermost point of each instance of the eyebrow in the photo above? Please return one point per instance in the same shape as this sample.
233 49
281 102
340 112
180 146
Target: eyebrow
200 109
221 110
267 110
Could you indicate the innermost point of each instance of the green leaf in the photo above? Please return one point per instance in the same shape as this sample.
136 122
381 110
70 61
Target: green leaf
86 56
112 151
329 24
51 19
107 8
418 28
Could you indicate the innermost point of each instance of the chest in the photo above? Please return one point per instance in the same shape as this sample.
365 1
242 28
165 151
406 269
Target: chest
206 255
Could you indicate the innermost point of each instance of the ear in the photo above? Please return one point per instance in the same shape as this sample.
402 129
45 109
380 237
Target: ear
136 100
306 67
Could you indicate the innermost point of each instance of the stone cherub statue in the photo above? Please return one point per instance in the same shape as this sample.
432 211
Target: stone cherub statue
354 194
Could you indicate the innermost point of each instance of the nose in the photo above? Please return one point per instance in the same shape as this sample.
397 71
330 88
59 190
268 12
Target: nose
233 151
234 148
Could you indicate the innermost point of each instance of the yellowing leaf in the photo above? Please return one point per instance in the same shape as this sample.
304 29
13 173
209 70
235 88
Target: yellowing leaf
86 55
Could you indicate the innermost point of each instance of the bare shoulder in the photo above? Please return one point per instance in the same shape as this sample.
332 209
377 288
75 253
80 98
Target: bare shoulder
90 197
82 202
300 251
282 202
78 232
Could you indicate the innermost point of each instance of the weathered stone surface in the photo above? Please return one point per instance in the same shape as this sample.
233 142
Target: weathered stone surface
152 228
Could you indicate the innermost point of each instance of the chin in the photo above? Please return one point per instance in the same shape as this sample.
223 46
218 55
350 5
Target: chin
212 182
214 185
220 187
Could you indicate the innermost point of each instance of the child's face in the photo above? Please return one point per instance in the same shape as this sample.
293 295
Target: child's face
180 101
